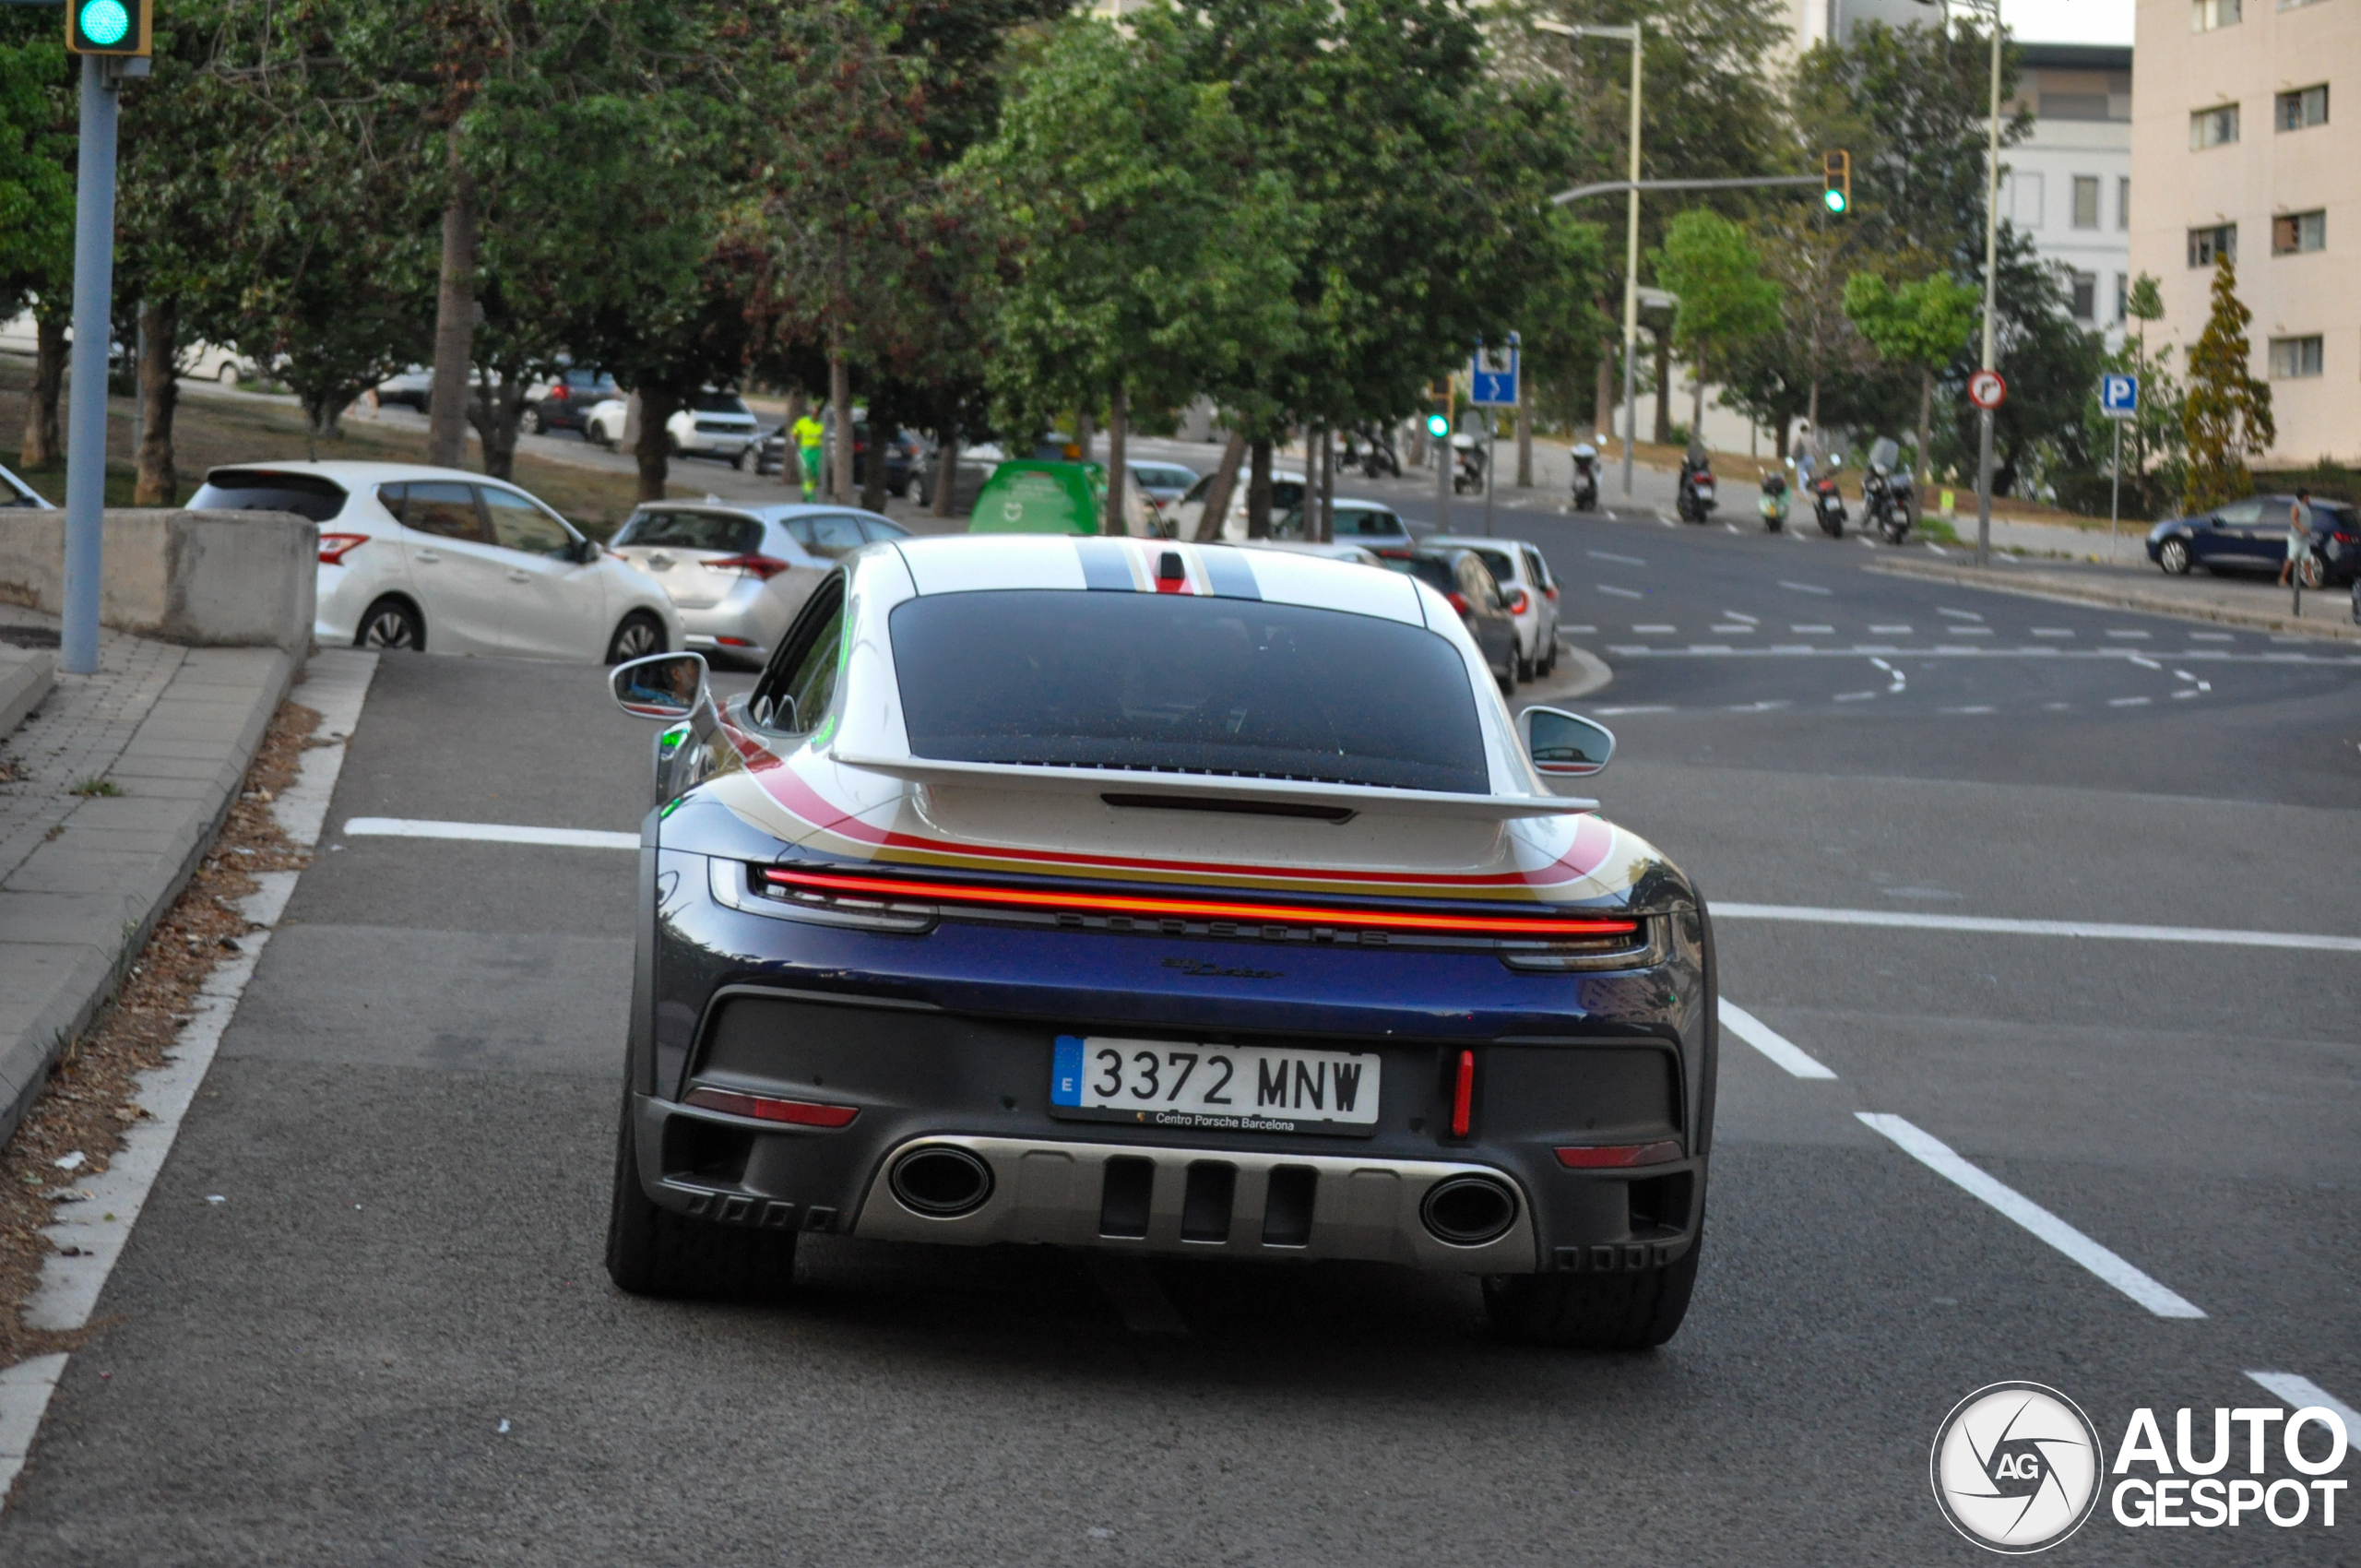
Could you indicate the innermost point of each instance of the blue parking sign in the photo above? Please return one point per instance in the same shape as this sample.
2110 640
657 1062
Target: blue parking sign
1493 378
2119 395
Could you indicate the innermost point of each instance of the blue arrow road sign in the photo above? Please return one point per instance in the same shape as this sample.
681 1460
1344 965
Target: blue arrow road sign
1493 378
2119 395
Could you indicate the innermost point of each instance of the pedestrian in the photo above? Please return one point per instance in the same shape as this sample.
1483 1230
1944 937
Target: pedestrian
1800 456
2299 539
808 435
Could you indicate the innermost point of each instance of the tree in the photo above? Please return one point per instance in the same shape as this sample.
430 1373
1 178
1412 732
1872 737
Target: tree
1921 325
1780 375
36 209
1711 264
2227 416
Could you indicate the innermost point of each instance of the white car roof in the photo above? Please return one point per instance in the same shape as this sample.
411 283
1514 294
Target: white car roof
978 562
1470 542
356 473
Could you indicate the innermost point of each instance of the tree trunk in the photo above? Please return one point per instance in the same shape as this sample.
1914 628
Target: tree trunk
159 483
1781 452
840 405
1925 474
1664 389
1603 419
790 462
1258 492
946 474
497 409
654 448
1523 444
1119 435
883 434
1811 421
1233 454
45 447
1086 434
1697 409
1328 486
454 318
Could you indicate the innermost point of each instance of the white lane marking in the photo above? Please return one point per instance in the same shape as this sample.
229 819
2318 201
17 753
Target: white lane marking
1709 648
1655 626
2211 637
1592 630
1728 626
1977 710
1958 614
2139 634
2183 675
2304 1394
1807 588
336 684
1738 615
1771 1042
1854 697
1969 631
1666 521
1882 665
1806 630
2100 930
2177 696
2145 664
1732 527
2052 632
1866 539
2127 702
1612 712
1936 548
487 833
1891 631
1619 592
1619 560
1939 1157
1761 707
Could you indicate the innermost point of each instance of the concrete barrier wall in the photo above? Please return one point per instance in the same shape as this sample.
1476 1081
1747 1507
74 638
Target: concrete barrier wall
207 579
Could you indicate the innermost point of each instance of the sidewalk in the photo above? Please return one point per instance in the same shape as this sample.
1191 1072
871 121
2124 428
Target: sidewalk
2250 601
156 743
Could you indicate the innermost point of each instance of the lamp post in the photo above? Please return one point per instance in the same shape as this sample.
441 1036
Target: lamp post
1631 34
1991 262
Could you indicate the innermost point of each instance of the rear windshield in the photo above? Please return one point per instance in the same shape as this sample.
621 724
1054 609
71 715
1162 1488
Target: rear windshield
1435 571
1366 523
693 531
1503 570
719 403
254 490
1224 686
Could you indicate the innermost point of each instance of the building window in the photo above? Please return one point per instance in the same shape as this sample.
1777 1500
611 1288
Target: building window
2026 195
2123 202
2086 201
2295 233
2204 16
2087 295
2207 246
2303 108
2295 357
2122 298
2213 128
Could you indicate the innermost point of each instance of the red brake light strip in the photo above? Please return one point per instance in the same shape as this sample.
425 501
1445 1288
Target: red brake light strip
1616 1157
762 1108
1192 909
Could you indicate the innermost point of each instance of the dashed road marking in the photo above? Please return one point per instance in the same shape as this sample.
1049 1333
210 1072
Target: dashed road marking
1807 588
487 833
2051 632
1785 1052
1617 592
1738 615
2305 1395
1655 627
2145 664
2127 702
1891 631
1854 697
1619 560
1958 614
1809 630
1939 1157
2141 635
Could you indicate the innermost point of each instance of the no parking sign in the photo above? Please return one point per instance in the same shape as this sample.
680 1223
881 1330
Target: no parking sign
1986 390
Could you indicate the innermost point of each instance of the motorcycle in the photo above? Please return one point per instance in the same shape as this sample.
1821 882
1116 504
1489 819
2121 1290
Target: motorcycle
1774 504
1695 500
1378 460
1889 501
1468 476
1828 505
1586 478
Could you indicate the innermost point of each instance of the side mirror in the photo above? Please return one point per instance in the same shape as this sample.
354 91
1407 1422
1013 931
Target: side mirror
1562 744
583 552
662 685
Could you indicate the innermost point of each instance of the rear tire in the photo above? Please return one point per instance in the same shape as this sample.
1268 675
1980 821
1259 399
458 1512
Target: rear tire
1594 1312
391 623
638 635
652 1252
2172 556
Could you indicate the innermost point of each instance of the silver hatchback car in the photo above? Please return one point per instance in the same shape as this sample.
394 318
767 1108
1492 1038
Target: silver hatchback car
738 574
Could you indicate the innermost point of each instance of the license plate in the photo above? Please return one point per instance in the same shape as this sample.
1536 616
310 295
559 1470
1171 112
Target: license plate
1251 1088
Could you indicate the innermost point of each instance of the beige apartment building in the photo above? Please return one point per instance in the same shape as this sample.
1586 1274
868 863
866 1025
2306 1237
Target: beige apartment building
2245 137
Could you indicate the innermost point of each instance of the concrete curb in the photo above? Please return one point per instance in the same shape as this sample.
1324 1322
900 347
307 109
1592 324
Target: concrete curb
2059 591
1589 673
80 906
25 679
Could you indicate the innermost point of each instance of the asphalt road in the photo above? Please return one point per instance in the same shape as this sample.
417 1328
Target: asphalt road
392 1341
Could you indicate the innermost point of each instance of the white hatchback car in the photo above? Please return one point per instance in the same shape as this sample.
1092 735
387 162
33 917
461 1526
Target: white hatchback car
419 557
1531 591
737 575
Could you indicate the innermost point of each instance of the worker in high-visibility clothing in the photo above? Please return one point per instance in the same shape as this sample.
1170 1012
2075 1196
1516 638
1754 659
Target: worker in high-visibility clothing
810 433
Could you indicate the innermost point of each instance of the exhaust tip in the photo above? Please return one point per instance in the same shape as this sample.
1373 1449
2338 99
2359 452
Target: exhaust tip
941 1180
1468 1211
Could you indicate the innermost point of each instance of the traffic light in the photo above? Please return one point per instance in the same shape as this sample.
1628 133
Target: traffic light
121 28
1836 172
1438 425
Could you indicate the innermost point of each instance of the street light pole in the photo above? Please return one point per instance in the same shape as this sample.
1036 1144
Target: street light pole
86 430
1631 240
1991 262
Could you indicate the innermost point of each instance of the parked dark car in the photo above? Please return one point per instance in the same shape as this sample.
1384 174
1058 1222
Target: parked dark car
2250 535
1461 576
564 400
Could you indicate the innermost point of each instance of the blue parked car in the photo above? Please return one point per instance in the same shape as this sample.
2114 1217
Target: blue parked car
2250 535
1160 899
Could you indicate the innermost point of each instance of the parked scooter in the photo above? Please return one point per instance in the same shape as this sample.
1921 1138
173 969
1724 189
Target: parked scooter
1586 478
1889 501
1828 504
1695 500
1774 504
1467 475
1377 460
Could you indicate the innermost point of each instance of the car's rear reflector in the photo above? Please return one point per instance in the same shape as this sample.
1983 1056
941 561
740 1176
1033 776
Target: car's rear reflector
335 547
1616 1157
1463 1094
1204 910
762 1108
763 567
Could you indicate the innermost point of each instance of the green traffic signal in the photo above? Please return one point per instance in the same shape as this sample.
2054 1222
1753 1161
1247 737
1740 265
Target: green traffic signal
104 22
1832 200
1836 178
119 27
1438 426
